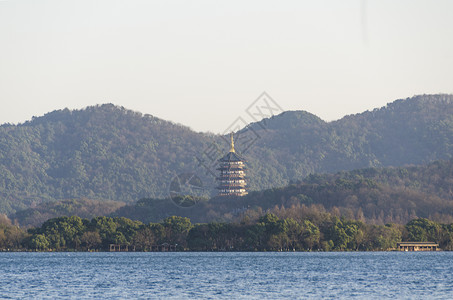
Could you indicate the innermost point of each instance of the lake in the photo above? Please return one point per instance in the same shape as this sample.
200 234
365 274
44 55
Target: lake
335 275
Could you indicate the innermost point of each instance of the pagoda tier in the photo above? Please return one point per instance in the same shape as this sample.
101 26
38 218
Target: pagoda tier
229 172
232 176
226 183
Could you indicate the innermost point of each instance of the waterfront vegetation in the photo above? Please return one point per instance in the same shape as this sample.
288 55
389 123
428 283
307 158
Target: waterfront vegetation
317 232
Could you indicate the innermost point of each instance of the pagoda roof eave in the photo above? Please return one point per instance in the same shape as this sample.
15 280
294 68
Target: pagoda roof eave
231 157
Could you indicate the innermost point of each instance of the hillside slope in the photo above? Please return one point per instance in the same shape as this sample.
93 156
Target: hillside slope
374 195
411 131
102 152
108 152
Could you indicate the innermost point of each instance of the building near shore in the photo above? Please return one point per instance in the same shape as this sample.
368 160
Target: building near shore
417 246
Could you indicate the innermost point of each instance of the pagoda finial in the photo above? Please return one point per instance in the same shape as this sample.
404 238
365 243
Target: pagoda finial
232 143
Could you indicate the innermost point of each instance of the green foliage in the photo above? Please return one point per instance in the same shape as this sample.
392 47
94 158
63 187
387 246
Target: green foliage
108 152
385 236
266 233
309 235
63 232
423 230
40 242
106 228
176 230
101 152
199 238
90 240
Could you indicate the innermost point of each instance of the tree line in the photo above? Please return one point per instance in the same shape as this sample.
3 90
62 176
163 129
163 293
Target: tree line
268 232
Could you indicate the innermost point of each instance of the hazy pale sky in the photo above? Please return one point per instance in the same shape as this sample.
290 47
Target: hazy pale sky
202 63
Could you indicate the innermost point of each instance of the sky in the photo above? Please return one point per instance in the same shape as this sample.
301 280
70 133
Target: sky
204 63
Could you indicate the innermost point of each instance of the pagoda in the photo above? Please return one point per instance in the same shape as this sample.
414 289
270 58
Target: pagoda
232 175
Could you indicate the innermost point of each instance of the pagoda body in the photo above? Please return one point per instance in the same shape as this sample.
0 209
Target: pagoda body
232 174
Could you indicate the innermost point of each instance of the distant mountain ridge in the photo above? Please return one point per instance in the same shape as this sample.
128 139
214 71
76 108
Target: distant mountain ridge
106 152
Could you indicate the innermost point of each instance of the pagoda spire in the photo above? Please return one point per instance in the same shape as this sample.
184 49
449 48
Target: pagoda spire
232 143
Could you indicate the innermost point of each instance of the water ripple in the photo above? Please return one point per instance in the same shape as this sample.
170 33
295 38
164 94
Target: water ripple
366 275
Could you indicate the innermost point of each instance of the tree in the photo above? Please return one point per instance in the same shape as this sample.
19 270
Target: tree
2 238
127 228
293 232
275 237
309 235
15 237
40 242
106 227
386 237
91 240
255 237
198 238
63 232
177 229
423 230
144 238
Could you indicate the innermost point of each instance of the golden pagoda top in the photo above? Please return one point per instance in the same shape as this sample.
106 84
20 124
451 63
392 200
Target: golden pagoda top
232 143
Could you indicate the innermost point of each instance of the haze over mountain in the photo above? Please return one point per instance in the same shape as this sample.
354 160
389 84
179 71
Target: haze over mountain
108 152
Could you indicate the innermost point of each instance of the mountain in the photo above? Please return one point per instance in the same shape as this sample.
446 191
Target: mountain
417 130
107 152
101 152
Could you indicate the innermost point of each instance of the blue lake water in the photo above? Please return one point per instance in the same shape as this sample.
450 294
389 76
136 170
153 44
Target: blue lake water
367 275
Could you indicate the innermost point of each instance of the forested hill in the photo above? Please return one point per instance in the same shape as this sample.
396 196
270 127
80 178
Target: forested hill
101 152
108 152
411 131
373 195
